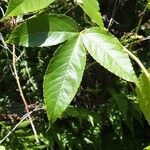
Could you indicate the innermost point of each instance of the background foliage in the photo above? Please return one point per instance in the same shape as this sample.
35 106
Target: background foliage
105 113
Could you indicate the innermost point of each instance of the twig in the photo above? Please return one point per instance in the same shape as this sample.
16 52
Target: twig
3 42
2 11
139 24
111 21
70 9
22 95
20 55
130 48
22 119
141 19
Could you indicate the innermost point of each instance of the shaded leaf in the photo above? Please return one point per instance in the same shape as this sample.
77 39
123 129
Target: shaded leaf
143 93
121 102
45 30
81 113
63 77
91 8
108 51
20 7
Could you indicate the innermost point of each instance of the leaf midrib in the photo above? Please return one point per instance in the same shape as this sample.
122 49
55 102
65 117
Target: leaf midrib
105 51
58 97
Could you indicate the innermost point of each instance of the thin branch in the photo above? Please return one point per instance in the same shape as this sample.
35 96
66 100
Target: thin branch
141 19
22 119
139 24
21 54
131 54
116 6
3 42
2 11
22 95
70 9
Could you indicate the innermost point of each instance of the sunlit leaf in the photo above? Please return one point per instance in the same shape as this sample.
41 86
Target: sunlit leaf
45 30
108 51
63 77
2 148
147 148
91 8
143 93
20 7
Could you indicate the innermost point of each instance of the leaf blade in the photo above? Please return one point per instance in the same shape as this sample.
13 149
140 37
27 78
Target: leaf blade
20 7
108 51
91 8
63 77
143 94
54 30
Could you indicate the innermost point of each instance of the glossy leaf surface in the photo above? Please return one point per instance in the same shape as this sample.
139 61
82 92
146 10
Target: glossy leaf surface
143 93
20 7
91 8
108 51
46 30
63 77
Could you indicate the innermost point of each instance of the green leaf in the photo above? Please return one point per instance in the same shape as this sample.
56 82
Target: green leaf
121 101
135 111
91 8
45 30
63 77
81 113
108 51
24 124
147 148
143 93
20 7
2 148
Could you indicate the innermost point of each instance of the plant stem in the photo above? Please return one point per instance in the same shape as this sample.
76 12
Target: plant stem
22 95
141 18
129 51
138 62
21 120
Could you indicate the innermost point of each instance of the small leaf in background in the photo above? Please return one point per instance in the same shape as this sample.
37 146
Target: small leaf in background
121 101
20 7
91 8
108 51
82 113
134 109
45 30
63 77
143 93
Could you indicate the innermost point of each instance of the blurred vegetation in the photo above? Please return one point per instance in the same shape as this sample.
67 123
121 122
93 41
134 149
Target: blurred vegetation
105 116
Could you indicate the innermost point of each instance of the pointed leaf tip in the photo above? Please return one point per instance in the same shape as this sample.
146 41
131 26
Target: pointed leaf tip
63 77
108 51
91 8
